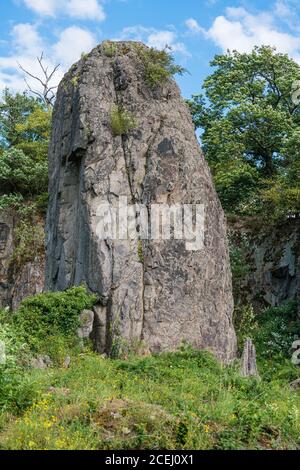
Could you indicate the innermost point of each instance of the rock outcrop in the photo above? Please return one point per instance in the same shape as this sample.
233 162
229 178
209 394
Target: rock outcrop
17 282
6 251
272 255
155 291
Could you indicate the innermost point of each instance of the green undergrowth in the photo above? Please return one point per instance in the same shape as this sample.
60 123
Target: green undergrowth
179 400
183 400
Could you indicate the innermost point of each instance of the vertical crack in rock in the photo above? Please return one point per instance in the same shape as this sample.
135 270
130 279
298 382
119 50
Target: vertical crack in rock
171 294
145 200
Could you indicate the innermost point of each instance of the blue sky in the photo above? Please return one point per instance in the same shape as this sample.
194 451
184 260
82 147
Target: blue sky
196 30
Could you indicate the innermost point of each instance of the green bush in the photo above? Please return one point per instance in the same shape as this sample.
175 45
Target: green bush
245 322
159 66
122 122
110 48
11 201
277 329
50 317
16 390
21 174
44 325
29 239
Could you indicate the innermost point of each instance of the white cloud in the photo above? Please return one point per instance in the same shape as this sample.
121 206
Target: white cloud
26 39
80 9
152 37
73 41
239 29
27 44
282 9
160 39
193 26
87 9
42 7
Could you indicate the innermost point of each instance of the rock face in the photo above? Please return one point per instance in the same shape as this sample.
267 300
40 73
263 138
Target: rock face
277 264
273 256
153 291
6 251
26 280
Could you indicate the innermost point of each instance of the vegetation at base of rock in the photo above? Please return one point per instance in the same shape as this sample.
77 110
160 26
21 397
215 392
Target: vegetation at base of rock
16 390
159 65
43 325
250 126
182 400
273 330
122 122
179 400
51 315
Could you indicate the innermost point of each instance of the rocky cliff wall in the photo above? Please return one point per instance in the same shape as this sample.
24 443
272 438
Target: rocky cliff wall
18 280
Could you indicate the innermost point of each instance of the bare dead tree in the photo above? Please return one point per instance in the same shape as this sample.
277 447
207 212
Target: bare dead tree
47 95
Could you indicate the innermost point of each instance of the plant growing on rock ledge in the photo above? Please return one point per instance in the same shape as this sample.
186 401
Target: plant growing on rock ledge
109 48
158 65
121 121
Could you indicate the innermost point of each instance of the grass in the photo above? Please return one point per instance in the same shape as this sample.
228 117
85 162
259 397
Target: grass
183 400
179 400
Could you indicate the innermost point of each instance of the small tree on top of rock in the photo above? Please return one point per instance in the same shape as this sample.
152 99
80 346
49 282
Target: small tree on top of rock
159 65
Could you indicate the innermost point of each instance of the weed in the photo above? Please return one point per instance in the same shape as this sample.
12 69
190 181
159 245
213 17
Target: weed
122 122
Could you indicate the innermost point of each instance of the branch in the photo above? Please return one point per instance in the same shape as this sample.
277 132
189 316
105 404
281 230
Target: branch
47 95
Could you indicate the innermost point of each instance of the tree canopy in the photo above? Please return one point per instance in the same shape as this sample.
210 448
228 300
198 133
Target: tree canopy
24 136
250 126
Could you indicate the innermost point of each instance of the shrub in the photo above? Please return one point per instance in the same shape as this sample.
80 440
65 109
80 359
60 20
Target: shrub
109 48
158 65
20 173
49 316
16 390
121 121
278 327
245 322
29 239
12 200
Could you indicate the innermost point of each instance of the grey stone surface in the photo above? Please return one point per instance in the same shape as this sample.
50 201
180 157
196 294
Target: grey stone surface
87 322
172 294
295 385
6 251
17 283
274 261
41 362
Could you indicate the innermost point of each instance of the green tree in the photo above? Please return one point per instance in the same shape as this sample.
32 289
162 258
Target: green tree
25 124
21 174
249 120
14 110
34 133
